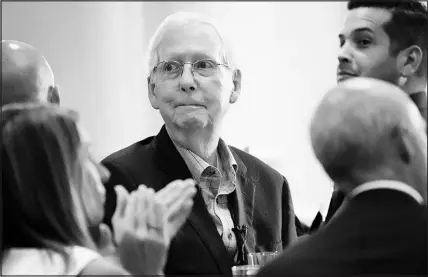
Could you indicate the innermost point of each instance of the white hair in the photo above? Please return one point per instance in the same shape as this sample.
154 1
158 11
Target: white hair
351 129
182 19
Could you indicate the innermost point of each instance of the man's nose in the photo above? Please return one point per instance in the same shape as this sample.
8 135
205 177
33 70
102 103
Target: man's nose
344 55
187 80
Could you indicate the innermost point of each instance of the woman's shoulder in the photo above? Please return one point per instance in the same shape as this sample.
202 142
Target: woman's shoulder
38 261
102 266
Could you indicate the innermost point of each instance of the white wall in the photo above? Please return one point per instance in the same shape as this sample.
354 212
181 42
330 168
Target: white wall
97 53
97 50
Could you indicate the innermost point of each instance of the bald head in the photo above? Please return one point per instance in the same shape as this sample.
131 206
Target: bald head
366 128
26 75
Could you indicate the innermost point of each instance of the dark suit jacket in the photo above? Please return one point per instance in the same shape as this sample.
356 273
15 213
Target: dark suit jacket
262 201
378 232
420 100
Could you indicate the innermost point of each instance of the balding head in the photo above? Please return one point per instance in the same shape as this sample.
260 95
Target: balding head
365 130
26 75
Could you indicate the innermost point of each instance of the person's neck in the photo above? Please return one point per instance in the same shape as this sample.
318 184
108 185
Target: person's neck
202 142
413 86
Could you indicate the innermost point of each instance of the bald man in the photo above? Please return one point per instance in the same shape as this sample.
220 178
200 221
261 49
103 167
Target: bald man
26 75
370 138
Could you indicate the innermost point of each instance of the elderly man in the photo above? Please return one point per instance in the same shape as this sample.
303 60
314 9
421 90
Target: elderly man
388 41
242 204
370 138
26 75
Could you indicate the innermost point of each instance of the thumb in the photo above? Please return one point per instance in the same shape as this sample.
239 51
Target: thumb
121 196
105 242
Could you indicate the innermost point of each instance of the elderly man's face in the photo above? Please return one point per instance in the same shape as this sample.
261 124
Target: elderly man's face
364 47
192 100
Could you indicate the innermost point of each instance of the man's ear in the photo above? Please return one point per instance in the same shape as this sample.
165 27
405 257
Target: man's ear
401 140
409 60
152 96
236 86
53 95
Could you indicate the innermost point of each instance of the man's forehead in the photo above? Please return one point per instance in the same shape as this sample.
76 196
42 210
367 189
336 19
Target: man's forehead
364 17
197 40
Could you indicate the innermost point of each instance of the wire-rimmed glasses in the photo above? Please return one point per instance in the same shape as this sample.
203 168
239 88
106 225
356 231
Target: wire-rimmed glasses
173 69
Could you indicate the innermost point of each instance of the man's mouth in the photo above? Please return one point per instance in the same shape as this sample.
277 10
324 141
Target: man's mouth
344 75
191 105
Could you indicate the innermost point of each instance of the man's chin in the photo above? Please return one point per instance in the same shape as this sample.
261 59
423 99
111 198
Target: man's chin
342 78
191 123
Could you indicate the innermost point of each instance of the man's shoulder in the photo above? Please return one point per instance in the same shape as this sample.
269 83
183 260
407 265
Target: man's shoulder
293 261
254 165
137 150
312 250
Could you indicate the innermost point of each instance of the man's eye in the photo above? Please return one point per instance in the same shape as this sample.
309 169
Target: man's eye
364 42
170 67
205 65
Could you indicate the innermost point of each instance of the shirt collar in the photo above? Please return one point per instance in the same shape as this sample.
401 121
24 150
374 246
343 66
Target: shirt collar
197 165
388 184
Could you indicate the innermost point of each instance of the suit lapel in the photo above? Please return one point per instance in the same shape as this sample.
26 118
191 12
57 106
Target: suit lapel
174 167
201 221
245 202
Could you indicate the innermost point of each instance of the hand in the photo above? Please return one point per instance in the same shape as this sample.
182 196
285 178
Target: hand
139 224
177 196
105 244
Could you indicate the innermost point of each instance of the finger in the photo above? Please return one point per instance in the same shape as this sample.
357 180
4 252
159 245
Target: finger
173 186
175 191
182 211
139 208
105 242
190 182
190 192
129 211
158 217
184 196
169 186
154 213
165 191
150 206
122 196
176 208
142 187
143 212
179 218
161 220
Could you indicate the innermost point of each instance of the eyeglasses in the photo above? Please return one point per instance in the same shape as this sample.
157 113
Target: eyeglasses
173 69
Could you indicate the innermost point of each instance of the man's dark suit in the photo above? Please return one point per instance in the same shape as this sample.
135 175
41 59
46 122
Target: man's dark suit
262 201
420 100
379 231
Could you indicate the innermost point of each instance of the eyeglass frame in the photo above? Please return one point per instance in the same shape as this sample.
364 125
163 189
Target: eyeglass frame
191 67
